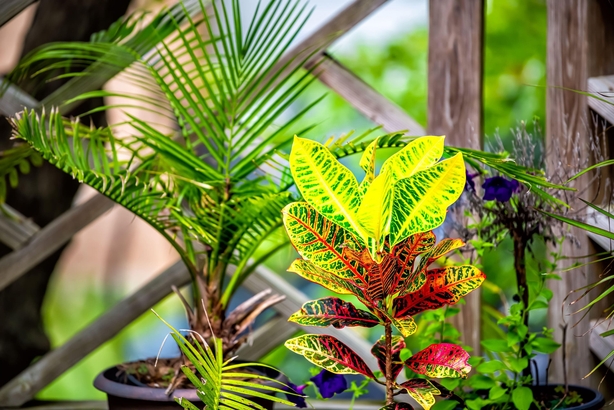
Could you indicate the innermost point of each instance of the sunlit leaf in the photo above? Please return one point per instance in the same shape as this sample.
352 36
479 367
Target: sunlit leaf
443 287
417 155
421 201
421 390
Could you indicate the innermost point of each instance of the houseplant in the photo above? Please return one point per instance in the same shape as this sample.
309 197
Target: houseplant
204 185
374 241
506 209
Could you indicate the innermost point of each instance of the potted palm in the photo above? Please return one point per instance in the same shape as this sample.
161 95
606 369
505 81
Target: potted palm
203 181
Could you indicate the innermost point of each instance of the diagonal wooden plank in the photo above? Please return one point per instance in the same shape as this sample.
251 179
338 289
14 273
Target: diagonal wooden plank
364 98
14 100
11 8
15 229
603 87
29 382
267 337
51 238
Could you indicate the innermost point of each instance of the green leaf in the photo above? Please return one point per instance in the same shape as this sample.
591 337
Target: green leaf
313 273
491 366
367 163
445 405
417 155
522 397
328 186
518 365
329 353
496 392
496 345
481 382
545 345
421 201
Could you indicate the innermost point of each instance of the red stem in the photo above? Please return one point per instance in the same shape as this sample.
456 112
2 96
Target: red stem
389 380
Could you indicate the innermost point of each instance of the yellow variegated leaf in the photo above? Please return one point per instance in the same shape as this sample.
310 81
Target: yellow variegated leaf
320 241
421 390
421 201
367 163
419 154
374 212
313 273
406 325
326 184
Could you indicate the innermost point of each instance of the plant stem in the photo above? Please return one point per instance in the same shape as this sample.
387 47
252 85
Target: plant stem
521 282
389 380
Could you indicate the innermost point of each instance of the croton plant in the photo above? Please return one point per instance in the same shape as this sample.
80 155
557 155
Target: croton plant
375 240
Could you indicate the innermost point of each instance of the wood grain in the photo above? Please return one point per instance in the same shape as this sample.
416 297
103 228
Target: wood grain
51 238
580 37
455 103
603 87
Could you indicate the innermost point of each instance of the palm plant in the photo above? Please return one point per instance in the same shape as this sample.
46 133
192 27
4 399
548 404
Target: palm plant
205 183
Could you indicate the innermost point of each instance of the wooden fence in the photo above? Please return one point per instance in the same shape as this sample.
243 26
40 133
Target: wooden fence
580 45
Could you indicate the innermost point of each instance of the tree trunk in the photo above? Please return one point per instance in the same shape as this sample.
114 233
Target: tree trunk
46 192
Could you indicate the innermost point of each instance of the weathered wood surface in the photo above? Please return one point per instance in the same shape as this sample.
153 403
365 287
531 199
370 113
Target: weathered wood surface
11 8
23 387
15 100
580 38
601 346
15 230
51 238
603 87
455 103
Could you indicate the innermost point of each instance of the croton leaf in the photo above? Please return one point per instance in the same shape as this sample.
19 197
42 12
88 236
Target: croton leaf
421 201
397 406
440 360
442 248
325 183
318 275
375 210
406 325
406 253
367 163
421 390
332 312
319 240
379 351
381 278
419 154
329 353
444 286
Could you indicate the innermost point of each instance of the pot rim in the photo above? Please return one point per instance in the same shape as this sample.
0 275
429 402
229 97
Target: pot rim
596 403
103 383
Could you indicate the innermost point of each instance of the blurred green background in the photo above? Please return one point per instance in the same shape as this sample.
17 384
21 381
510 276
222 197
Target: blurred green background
514 80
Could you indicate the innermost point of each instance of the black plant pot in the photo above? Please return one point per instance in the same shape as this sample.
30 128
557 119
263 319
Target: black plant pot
591 399
129 396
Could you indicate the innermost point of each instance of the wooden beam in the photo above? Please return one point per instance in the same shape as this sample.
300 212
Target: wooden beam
24 387
603 87
580 35
15 229
14 100
51 238
267 337
455 65
601 346
365 99
11 8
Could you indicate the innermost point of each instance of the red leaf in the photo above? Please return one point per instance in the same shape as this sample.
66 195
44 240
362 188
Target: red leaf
440 360
444 247
381 278
329 353
379 351
333 312
406 253
443 287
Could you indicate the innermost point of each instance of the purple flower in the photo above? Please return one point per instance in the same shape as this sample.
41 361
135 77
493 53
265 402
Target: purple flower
329 383
470 183
298 400
499 188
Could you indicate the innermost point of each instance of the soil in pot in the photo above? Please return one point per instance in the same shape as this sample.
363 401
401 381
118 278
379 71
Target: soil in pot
578 397
128 389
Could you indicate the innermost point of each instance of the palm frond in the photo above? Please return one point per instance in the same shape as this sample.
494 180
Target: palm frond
224 384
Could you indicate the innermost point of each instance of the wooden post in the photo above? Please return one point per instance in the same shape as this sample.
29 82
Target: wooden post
455 102
580 45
